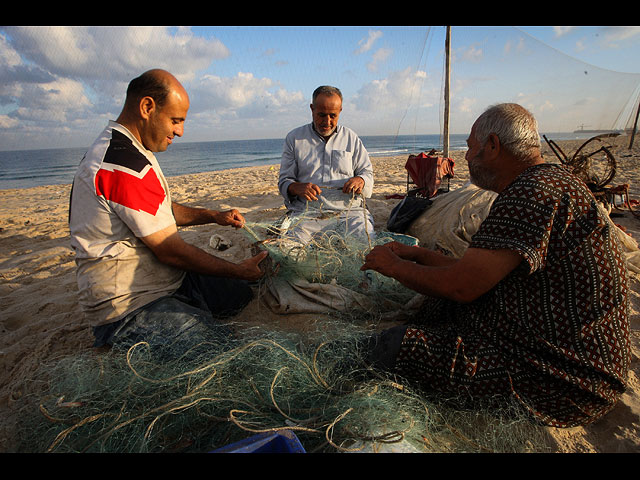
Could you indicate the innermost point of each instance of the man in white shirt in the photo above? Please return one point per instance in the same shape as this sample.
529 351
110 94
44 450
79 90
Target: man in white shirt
136 276
326 172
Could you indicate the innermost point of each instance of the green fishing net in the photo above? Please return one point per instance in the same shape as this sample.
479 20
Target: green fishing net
261 378
331 257
223 391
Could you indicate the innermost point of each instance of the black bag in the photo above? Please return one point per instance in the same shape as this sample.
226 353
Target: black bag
406 212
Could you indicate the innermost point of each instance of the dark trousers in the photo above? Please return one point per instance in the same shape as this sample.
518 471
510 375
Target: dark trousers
191 314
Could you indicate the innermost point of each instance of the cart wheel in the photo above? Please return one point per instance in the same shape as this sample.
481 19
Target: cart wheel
594 162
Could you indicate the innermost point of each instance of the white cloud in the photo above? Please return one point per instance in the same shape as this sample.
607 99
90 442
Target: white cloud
53 101
614 35
242 105
466 104
52 78
8 55
472 53
242 92
562 31
115 53
367 43
380 56
519 47
393 92
8 122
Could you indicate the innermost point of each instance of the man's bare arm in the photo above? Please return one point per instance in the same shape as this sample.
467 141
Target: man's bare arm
463 280
169 247
186 216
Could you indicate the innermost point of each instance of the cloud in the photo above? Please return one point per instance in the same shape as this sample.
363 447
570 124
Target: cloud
614 35
53 101
562 31
380 56
367 43
242 93
394 92
115 53
57 79
472 53
519 46
8 122
243 105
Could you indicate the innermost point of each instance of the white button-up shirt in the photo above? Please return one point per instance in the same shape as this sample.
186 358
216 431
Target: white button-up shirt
307 158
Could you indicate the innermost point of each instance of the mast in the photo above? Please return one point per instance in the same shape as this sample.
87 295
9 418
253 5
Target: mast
447 79
635 125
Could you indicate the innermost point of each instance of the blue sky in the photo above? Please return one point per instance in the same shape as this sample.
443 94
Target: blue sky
60 85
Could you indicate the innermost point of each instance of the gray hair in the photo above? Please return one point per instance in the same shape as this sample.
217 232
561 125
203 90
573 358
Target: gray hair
514 125
326 90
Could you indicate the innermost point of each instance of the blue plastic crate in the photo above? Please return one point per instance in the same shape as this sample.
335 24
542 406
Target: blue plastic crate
284 441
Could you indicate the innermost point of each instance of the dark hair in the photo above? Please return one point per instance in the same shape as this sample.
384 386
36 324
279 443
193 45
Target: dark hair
149 84
326 90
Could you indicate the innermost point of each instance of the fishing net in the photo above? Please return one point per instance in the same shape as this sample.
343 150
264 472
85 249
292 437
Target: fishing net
263 381
261 378
332 259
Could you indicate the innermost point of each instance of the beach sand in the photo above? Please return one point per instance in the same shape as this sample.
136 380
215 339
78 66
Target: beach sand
41 320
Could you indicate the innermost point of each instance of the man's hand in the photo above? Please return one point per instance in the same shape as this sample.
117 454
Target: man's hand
382 259
308 191
230 218
169 247
461 280
188 216
406 252
354 184
251 266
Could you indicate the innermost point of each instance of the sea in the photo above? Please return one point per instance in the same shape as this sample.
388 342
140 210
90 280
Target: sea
33 168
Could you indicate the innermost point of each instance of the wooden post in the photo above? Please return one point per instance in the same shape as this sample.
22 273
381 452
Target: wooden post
447 79
635 124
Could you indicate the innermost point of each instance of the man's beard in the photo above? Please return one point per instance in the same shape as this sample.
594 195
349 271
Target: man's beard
480 176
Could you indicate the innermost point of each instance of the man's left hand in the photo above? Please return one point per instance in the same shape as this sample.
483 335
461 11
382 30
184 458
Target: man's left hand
382 259
354 184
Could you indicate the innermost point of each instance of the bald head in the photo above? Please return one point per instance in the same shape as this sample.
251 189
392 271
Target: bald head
155 109
157 84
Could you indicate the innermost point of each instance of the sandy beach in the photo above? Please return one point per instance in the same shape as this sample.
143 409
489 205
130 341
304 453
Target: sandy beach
40 318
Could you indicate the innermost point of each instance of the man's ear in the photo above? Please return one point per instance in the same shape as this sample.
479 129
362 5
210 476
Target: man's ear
147 106
493 146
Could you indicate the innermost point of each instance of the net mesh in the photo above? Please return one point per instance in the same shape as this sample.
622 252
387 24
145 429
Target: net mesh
314 382
263 381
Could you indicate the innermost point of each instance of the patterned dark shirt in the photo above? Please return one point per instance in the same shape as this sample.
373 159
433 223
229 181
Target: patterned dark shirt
554 334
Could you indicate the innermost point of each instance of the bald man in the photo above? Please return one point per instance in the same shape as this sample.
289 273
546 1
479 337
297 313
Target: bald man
137 277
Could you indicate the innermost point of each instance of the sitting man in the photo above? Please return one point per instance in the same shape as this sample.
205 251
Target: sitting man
325 172
536 308
136 276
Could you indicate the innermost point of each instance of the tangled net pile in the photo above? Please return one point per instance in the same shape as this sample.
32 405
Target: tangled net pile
261 381
200 397
331 257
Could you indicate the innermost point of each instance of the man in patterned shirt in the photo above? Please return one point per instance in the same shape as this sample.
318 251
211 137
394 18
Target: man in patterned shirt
137 277
536 309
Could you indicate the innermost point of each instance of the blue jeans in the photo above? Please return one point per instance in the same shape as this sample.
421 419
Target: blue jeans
192 314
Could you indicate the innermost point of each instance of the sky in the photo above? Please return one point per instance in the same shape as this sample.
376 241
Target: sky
59 86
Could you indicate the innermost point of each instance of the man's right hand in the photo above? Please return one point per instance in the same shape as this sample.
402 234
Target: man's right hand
169 248
251 267
308 191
